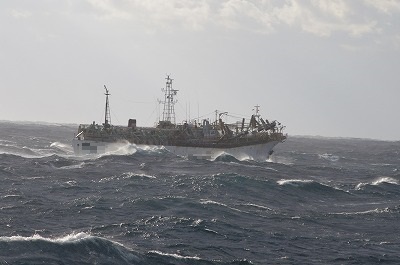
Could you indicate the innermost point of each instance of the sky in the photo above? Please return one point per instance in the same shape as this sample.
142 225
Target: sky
327 68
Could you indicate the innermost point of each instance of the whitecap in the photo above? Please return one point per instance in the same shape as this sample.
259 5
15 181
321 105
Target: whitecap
197 222
202 201
294 182
212 202
88 207
377 210
10 196
61 146
385 180
128 175
120 148
360 185
258 206
71 183
329 157
211 231
176 256
107 179
75 237
377 182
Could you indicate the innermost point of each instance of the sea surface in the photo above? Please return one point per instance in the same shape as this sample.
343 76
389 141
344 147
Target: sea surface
316 201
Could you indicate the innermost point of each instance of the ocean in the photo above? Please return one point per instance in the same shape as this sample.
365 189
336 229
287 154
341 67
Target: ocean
315 201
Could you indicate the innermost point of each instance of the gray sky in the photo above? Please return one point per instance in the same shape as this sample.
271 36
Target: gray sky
328 67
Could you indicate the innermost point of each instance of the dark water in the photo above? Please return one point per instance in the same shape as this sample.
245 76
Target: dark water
317 201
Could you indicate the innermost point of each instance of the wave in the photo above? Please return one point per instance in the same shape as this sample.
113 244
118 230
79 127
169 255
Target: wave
159 258
310 185
55 148
329 157
258 206
387 210
83 248
205 201
10 196
59 162
281 160
294 182
74 166
225 157
125 149
6 171
223 205
378 182
72 238
127 175
175 256
79 248
132 175
66 151
385 180
65 148
18 151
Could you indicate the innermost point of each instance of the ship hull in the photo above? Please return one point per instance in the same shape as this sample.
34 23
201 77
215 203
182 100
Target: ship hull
259 152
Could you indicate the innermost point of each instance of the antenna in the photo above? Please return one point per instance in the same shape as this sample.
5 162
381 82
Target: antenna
107 115
169 101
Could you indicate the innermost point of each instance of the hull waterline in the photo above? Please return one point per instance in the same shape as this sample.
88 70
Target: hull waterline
258 152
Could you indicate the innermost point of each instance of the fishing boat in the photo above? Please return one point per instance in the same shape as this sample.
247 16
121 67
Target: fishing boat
253 138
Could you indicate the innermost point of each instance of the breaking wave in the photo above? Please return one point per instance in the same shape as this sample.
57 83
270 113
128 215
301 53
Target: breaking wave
79 248
377 182
294 182
55 148
65 148
310 186
127 149
82 248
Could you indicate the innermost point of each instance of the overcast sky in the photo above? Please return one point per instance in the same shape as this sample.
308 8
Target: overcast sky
328 67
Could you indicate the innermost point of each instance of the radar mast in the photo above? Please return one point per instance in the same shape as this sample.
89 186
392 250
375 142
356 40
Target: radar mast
107 116
169 101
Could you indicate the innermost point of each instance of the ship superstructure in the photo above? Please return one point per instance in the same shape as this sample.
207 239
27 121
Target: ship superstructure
251 139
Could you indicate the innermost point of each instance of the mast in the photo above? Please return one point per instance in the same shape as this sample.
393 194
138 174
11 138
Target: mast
257 110
107 116
169 101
